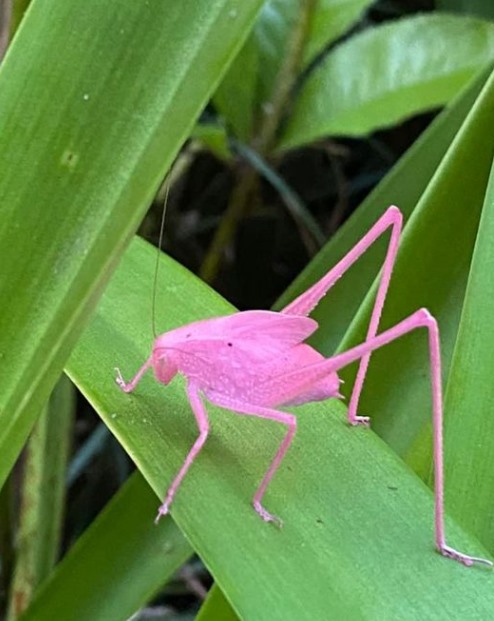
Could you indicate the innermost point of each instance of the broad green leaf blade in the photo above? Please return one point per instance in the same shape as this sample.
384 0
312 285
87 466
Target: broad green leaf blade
347 501
83 146
412 65
470 394
42 505
403 186
385 398
216 607
117 565
330 19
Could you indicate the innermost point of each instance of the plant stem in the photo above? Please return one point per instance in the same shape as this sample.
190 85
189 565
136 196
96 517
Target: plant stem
42 497
237 205
293 202
274 111
7 495
272 115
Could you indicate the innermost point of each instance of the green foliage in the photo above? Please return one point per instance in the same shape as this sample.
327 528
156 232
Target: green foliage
216 608
85 147
43 496
482 8
246 93
329 19
96 100
470 393
372 80
350 474
407 71
117 565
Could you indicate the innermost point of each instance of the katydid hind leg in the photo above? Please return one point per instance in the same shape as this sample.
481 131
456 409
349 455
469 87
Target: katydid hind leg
203 424
263 412
420 319
305 303
389 261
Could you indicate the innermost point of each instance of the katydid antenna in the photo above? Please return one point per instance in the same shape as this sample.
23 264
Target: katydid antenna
158 252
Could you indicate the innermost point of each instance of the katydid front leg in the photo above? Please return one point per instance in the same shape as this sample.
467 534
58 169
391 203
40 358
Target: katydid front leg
307 301
203 423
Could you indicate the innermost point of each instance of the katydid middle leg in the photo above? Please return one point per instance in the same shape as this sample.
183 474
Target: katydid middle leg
305 303
236 405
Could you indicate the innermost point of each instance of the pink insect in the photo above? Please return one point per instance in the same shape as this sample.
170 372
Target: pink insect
255 362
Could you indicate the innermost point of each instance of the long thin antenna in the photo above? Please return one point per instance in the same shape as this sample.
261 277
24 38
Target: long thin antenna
158 252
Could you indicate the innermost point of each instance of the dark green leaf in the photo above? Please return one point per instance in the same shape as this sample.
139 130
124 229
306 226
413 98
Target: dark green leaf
470 394
411 65
91 117
117 565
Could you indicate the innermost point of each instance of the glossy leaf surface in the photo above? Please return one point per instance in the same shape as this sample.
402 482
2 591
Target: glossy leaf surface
412 65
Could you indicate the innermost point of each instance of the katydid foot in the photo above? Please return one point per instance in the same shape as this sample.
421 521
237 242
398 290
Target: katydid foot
163 510
266 516
359 420
463 558
121 382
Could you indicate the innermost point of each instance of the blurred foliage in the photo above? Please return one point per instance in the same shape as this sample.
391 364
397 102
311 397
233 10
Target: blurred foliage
482 8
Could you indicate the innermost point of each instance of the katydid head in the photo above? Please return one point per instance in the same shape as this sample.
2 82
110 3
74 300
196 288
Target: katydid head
164 365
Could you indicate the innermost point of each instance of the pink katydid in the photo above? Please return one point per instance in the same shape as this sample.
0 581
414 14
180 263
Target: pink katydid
253 362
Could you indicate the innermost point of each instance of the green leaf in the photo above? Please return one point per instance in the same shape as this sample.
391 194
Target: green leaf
83 147
117 565
235 96
454 201
346 499
249 82
42 497
216 607
481 8
411 65
470 394
330 19
214 137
